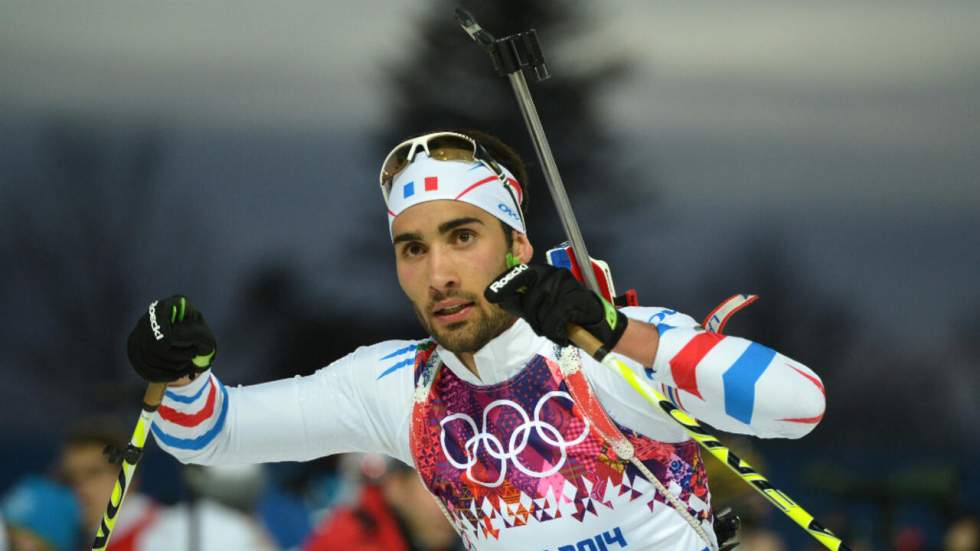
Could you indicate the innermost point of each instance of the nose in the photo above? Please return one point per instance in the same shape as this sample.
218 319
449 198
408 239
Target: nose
443 275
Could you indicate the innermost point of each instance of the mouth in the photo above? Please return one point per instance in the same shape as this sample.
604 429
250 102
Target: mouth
452 312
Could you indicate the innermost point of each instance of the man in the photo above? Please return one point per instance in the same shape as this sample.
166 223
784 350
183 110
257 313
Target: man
482 409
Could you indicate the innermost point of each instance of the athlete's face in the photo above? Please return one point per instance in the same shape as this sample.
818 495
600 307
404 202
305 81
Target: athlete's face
447 252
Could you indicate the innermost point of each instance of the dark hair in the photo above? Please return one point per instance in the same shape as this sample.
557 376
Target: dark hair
100 431
505 155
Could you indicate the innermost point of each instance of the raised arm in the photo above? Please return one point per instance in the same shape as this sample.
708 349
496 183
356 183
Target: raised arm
731 383
340 408
294 419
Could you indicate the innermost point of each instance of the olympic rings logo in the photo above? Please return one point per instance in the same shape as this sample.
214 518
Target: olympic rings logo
515 444
508 211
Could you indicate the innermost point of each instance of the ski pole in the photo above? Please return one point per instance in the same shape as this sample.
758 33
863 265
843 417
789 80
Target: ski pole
591 345
130 457
510 55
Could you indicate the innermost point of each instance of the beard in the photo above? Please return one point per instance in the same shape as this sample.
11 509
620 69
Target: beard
487 322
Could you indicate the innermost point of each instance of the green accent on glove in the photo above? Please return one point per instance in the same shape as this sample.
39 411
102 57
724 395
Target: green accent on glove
511 260
203 361
174 315
611 314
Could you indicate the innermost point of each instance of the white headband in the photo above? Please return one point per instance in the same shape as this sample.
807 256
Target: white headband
427 179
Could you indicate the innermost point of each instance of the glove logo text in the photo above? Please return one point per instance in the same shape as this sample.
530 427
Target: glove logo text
157 334
496 286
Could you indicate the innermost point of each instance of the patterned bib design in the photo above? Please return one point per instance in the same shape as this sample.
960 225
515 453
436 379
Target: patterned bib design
520 453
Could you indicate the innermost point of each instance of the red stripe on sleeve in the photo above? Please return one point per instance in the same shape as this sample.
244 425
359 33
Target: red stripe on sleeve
190 419
683 366
807 420
813 379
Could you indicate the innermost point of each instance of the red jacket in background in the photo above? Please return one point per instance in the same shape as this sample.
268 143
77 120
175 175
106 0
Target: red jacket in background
370 525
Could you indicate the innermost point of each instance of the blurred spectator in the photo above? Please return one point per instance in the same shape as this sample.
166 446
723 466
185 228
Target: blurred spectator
298 495
730 490
86 470
40 516
394 512
909 538
963 534
755 539
219 515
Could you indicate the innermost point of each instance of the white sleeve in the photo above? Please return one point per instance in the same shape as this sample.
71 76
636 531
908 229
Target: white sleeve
361 403
731 383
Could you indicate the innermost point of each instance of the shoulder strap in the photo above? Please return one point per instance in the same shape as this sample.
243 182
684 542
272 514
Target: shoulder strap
587 401
425 368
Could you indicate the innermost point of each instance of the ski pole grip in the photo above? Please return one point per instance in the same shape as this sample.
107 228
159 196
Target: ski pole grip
153 396
586 341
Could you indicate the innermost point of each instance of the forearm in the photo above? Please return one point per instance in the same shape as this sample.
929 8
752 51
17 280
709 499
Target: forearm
639 342
293 419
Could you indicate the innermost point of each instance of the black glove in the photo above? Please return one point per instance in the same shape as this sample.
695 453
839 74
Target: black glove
549 297
726 528
170 341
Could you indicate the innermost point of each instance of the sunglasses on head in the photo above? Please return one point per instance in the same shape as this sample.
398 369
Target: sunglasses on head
441 146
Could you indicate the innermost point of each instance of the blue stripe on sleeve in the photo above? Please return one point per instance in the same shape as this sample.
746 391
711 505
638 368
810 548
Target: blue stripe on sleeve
660 316
202 440
404 363
188 399
399 352
740 379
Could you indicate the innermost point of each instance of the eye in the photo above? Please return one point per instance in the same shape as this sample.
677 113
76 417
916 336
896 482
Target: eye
465 236
413 249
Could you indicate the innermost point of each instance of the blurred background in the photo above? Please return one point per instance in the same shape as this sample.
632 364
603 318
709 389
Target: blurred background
821 155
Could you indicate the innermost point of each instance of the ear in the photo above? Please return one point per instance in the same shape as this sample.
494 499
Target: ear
522 249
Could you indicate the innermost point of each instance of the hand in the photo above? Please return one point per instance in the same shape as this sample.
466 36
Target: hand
726 528
548 298
171 341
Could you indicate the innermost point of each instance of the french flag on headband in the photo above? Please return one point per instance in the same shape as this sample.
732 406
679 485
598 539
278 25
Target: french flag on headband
431 184
427 179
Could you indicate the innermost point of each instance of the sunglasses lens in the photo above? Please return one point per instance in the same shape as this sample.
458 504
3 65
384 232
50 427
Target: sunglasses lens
450 147
396 162
442 147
